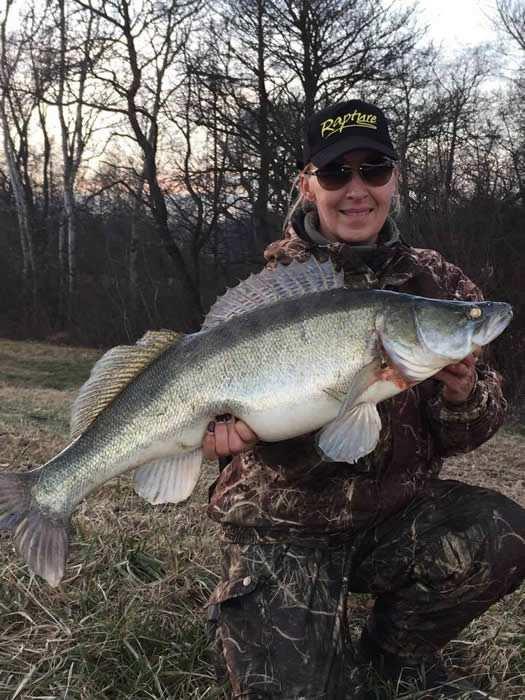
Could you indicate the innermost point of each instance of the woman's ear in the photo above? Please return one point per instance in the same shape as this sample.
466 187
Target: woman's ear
306 186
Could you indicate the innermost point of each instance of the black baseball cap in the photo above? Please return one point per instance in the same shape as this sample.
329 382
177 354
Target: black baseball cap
342 127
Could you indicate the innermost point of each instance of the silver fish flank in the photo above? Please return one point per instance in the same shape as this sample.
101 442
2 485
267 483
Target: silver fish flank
288 351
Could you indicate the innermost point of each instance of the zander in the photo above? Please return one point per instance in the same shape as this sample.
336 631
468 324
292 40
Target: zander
287 351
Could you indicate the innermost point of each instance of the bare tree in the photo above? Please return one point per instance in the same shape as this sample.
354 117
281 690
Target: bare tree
511 18
328 47
415 113
458 95
238 80
79 50
253 23
15 114
204 175
146 41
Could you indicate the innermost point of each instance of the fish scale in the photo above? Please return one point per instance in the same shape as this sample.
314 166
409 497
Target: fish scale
288 351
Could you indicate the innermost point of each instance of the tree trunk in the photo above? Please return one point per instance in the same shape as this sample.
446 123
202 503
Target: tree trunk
133 258
265 157
62 274
71 227
22 213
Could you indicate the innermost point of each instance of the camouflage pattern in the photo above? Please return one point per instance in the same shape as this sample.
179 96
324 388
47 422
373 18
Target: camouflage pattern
280 618
283 489
299 533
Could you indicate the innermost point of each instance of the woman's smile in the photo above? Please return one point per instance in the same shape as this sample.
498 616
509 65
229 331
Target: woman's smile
356 211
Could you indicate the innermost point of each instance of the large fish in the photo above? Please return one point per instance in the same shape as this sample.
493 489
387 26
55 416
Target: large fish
288 351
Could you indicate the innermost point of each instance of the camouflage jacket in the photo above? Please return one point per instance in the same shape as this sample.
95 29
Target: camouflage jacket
284 492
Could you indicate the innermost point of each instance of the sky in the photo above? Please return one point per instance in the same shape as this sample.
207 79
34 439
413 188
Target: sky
454 23
458 23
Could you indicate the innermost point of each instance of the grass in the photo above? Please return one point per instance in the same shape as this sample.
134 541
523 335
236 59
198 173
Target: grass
128 620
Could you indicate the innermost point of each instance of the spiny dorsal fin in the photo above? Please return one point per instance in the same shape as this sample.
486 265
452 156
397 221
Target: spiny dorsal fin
270 286
113 372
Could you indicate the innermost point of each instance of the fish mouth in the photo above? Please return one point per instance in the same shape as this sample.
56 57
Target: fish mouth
500 315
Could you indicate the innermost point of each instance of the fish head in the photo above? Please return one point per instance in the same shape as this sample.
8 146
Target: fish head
454 329
422 336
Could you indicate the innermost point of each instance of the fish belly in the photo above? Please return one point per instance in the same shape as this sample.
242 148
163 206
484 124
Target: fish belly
284 421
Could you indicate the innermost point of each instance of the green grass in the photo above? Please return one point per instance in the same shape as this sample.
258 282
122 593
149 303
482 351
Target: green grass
128 620
45 366
52 373
43 411
38 382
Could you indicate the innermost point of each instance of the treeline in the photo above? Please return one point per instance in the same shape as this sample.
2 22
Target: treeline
149 150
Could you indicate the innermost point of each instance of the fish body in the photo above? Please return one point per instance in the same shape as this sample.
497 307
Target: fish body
257 367
286 354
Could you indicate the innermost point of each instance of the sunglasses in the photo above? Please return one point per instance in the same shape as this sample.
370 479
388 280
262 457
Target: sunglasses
337 175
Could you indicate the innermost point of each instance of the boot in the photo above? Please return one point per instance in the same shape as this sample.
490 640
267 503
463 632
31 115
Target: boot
391 676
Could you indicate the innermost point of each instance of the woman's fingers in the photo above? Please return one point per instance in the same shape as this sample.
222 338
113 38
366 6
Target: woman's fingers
208 444
227 436
235 442
222 442
245 432
459 380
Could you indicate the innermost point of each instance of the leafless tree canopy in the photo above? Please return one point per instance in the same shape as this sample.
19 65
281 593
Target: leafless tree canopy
149 147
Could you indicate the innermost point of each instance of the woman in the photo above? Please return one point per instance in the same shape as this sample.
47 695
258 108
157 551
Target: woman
299 533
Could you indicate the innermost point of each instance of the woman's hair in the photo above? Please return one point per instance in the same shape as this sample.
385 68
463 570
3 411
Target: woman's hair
297 202
300 202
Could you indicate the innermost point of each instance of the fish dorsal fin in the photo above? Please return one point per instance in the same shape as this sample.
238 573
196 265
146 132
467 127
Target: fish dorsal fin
113 372
270 286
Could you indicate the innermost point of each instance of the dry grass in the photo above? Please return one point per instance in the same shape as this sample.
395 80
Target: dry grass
128 620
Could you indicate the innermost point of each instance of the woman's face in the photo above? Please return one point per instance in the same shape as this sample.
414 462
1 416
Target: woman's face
356 212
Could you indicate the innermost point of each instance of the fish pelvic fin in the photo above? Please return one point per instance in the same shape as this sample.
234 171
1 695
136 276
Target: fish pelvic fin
169 480
40 540
112 374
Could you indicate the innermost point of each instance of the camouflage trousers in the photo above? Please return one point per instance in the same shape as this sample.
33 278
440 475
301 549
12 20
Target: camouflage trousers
280 620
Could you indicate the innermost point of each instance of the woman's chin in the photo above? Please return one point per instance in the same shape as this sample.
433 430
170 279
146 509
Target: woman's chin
357 234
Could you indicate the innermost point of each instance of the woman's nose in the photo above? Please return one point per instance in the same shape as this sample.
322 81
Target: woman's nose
357 186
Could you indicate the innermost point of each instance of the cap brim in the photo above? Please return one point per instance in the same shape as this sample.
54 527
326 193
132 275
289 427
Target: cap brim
331 153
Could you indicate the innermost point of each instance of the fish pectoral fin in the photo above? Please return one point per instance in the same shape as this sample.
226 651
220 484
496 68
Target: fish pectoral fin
355 431
334 393
352 435
169 480
349 393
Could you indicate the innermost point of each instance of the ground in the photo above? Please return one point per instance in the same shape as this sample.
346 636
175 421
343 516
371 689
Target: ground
128 620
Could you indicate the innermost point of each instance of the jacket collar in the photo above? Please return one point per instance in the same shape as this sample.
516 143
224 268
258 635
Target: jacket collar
375 257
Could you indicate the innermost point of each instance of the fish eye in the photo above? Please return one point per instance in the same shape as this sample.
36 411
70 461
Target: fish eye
474 313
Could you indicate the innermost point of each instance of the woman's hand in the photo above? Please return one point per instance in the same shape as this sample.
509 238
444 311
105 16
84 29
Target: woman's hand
459 380
227 436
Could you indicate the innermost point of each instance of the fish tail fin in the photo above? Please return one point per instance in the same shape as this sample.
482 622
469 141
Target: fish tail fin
39 539
15 497
43 543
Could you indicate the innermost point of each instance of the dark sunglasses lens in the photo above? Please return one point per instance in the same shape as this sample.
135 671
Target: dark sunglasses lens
377 175
334 178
